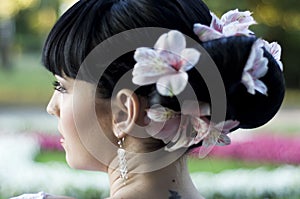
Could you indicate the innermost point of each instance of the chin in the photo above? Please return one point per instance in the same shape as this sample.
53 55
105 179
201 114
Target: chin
72 163
85 165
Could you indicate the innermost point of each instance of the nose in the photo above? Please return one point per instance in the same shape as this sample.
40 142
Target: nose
53 105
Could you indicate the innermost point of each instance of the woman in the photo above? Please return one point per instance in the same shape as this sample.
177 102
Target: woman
142 83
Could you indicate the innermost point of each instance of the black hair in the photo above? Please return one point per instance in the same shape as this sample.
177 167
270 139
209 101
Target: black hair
89 22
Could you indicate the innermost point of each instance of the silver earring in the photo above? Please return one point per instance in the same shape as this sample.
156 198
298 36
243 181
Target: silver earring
122 161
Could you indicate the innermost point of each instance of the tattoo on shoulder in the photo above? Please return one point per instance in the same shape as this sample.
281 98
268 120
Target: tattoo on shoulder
174 195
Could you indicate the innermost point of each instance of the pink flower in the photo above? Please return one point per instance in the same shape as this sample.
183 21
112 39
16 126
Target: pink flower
232 23
256 67
166 64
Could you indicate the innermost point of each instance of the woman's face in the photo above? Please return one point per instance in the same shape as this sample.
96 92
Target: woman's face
64 106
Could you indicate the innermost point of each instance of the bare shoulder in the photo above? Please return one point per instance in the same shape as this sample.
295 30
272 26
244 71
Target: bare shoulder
58 197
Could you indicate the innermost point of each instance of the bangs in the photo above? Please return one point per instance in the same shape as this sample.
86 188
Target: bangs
88 23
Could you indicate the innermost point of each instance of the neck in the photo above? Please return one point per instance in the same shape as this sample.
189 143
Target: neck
162 183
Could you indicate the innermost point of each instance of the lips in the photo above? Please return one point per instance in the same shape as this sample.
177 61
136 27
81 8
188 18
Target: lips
62 139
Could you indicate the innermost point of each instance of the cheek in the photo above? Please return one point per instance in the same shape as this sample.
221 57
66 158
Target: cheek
75 152
67 118
104 118
76 128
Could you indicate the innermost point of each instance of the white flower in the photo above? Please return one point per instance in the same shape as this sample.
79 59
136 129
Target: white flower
256 67
188 127
217 136
161 114
179 129
231 23
166 64
274 49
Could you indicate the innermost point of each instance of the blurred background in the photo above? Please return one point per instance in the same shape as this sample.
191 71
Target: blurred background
261 163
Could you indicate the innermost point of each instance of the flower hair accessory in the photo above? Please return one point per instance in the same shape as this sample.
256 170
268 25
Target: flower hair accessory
166 64
190 126
274 49
236 23
232 23
256 67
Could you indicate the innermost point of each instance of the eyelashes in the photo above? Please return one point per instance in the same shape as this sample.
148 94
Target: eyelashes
59 87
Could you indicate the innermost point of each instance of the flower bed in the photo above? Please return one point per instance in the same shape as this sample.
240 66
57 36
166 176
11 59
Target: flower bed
19 174
263 148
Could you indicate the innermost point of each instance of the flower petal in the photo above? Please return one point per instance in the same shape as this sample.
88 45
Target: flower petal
216 23
248 81
256 67
201 127
152 69
190 58
173 41
274 49
181 139
223 140
206 33
280 65
161 114
259 63
212 138
226 126
235 29
237 23
208 143
260 87
145 54
149 73
173 60
171 85
237 16
164 131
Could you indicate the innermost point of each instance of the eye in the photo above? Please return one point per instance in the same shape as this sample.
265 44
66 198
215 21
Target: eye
59 87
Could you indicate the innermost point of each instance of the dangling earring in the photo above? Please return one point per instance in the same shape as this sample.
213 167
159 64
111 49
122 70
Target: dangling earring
122 161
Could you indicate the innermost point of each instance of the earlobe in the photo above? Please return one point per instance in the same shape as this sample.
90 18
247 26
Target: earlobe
126 112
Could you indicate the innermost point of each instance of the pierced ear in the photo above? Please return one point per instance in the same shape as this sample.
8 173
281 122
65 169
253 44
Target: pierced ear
125 113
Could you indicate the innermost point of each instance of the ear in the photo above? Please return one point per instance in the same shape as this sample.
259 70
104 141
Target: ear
125 113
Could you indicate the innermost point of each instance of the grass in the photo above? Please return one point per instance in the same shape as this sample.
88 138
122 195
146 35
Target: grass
217 165
50 156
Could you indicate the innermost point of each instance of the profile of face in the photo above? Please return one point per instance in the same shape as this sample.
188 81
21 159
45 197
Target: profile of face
62 106
90 129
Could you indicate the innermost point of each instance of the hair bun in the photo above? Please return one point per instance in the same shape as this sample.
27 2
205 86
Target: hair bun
230 54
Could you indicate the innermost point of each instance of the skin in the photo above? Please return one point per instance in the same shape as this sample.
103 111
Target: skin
172 181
